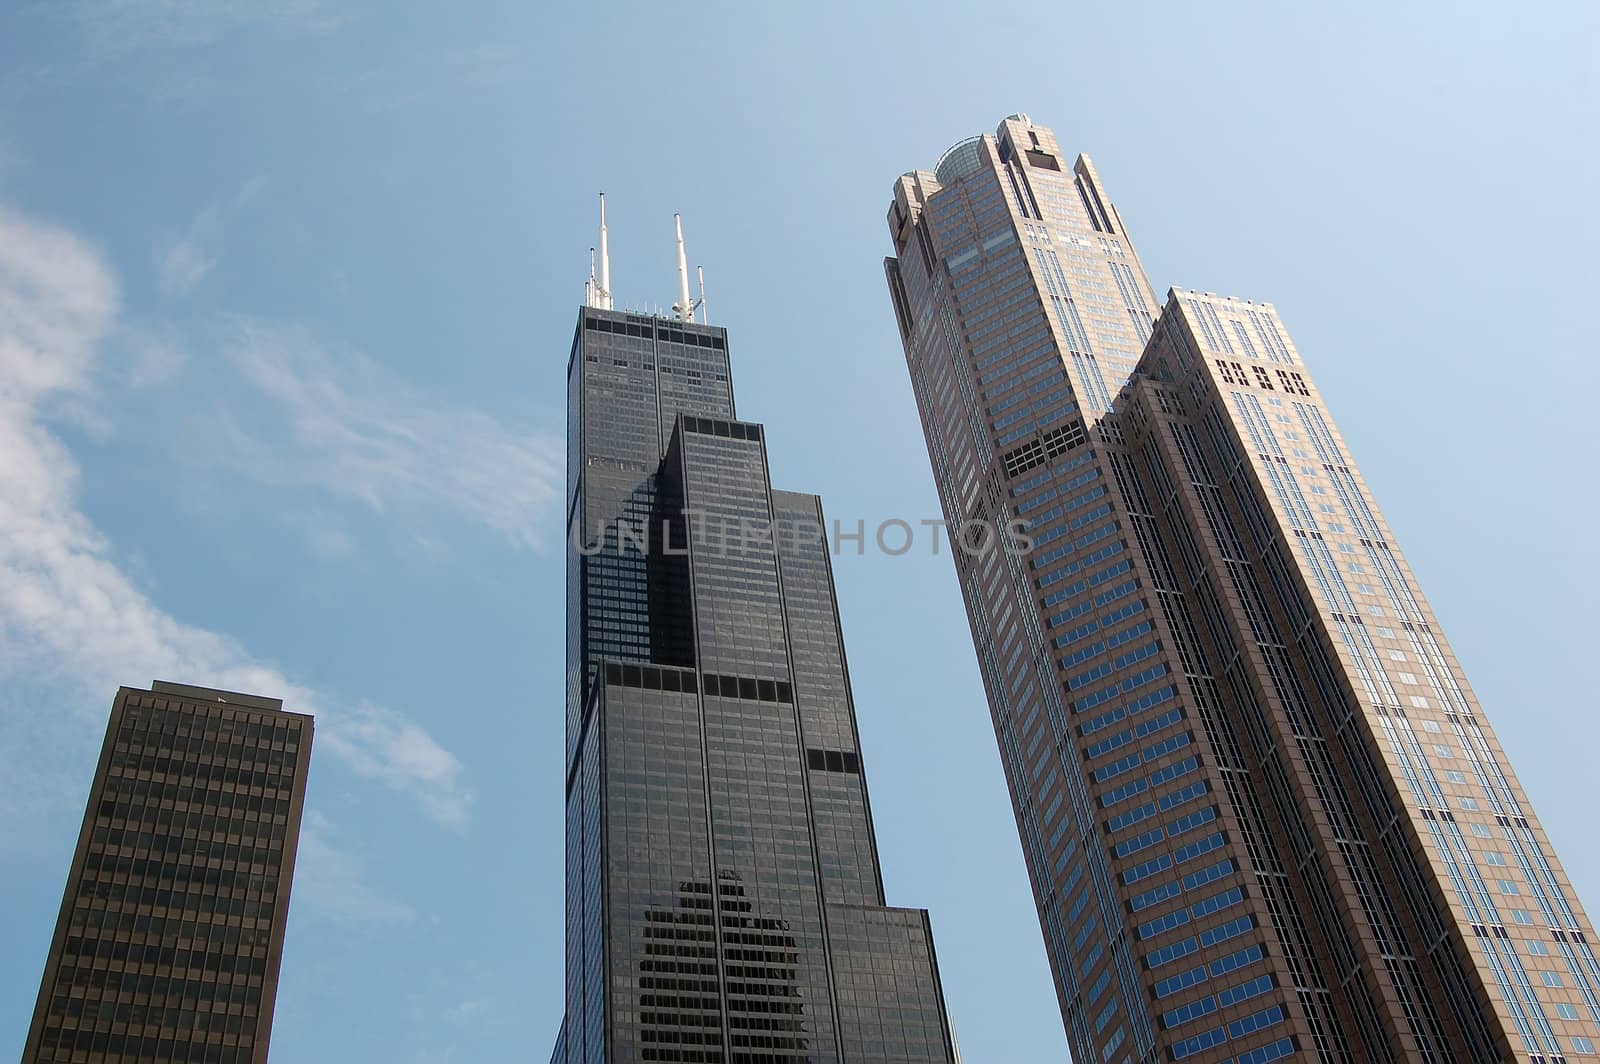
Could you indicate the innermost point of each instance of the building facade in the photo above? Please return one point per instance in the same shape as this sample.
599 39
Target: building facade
724 901
1262 812
172 923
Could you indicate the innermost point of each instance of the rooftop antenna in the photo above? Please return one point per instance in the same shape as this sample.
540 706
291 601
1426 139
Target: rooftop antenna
685 307
705 319
598 291
605 259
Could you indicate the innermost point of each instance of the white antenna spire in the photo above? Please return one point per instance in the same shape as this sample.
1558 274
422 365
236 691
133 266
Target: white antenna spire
684 308
705 319
597 290
605 260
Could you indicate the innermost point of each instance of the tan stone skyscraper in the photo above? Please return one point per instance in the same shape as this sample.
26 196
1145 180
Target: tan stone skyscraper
1263 814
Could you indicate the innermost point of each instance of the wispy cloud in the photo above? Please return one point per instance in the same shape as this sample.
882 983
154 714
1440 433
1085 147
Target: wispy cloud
380 744
151 357
331 881
69 616
184 261
469 1011
186 258
330 418
324 534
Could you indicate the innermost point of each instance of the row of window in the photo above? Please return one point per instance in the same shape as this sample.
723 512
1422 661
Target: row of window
242 990
737 430
652 678
170 822
130 924
192 747
1288 380
1193 944
1199 1043
210 723
660 330
187 846
1052 444
170 958
104 866
833 760
1213 1002
198 901
126 764
136 1047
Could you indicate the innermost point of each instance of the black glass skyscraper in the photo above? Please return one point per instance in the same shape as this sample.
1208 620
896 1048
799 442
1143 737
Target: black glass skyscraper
724 902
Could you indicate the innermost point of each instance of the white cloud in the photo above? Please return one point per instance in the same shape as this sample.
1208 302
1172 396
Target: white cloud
70 619
380 744
338 422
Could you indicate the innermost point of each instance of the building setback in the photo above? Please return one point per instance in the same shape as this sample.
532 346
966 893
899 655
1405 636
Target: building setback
1262 811
724 901
171 927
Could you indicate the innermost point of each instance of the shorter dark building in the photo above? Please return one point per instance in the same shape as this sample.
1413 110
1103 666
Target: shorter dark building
171 926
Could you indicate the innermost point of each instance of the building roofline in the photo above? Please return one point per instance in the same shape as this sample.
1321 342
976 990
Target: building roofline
213 694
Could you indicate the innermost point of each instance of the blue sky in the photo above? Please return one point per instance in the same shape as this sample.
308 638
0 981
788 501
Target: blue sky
286 293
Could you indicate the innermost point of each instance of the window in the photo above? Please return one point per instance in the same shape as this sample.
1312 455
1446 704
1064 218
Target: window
1235 961
1550 978
1581 1044
833 760
1566 1011
1264 1018
1188 1047
1283 1047
1167 987
1116 1040
1192 1011
1245 991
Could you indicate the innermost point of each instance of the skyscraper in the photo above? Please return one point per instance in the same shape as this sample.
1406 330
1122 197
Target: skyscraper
171 927
1262 812
724 902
